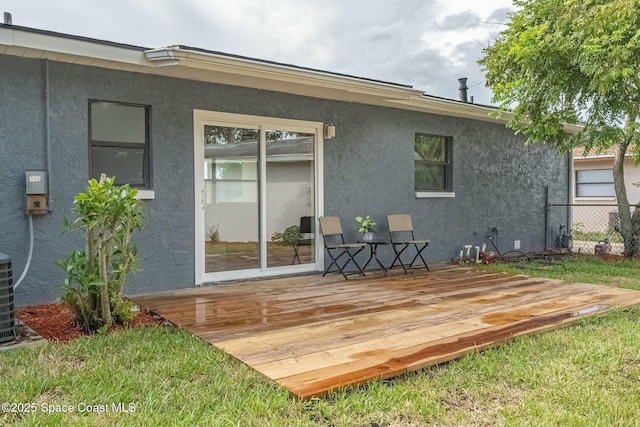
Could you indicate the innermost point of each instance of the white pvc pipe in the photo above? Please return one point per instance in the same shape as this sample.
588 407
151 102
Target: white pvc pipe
468 248
26 267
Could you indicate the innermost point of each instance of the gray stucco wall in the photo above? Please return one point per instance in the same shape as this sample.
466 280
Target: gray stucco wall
368 169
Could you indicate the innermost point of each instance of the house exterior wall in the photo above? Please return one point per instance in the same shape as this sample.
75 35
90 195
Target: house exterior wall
599 214
631 175
368 169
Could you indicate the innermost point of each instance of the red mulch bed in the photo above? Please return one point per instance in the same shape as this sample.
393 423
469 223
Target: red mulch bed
55 322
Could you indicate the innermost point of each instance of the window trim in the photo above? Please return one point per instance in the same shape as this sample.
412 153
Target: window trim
447 191
146 159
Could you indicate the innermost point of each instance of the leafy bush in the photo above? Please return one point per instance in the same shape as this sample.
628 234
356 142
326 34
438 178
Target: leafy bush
108 214
288 237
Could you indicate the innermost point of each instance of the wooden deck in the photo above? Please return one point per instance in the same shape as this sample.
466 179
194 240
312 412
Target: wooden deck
313 334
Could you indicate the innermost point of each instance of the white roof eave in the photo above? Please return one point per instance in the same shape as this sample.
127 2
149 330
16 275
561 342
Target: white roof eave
42 45
263 72
190 64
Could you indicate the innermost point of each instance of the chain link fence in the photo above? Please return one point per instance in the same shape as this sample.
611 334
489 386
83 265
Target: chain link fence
580 228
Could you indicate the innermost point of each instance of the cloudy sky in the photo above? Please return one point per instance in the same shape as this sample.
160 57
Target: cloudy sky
428 44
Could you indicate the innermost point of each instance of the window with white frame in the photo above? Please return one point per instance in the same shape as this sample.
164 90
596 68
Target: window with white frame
595 183
119 142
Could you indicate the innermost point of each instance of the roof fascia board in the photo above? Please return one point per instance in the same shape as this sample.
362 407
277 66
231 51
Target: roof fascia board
177 56
600 157
41 44
451 108
44 42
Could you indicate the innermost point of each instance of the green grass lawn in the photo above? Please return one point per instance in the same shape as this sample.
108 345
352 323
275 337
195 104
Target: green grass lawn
583 375
222 248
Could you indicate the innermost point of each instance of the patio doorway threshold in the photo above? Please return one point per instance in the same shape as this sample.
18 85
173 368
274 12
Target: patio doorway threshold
313 334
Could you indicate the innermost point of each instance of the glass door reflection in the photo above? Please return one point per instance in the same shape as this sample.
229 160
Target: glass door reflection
231 158
290 197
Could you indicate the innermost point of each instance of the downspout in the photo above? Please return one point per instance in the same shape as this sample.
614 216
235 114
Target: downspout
48 135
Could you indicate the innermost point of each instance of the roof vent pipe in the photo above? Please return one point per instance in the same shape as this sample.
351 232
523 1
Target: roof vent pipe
462 89
7 18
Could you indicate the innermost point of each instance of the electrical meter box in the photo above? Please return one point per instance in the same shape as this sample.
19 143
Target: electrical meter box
36 186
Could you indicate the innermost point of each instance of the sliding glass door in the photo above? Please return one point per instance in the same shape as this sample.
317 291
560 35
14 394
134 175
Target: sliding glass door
231 198
259 185
290 197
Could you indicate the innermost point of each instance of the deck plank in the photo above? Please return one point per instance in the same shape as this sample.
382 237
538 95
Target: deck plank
313 334
361 327
388 346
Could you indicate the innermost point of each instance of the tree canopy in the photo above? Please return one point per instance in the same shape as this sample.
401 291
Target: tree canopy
570 62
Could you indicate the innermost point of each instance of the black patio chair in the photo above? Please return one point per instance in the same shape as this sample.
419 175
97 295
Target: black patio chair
306 239
402 238
337 248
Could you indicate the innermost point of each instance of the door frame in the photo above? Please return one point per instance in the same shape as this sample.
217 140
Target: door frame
218 118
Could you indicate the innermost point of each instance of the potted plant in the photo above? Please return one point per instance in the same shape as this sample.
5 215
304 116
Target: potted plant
365 226
289 237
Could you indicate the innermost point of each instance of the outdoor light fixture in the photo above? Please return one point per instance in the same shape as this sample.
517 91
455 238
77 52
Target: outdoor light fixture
329 131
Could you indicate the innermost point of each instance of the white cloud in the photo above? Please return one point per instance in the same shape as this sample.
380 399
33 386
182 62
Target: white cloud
424 43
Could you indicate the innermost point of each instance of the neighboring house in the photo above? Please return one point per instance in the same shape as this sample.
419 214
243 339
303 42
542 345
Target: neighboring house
248 147
593 190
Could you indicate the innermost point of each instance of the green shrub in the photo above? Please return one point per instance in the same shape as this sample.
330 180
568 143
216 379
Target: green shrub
288 237
108 214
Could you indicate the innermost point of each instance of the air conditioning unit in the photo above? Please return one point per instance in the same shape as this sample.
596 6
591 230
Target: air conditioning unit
7 317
